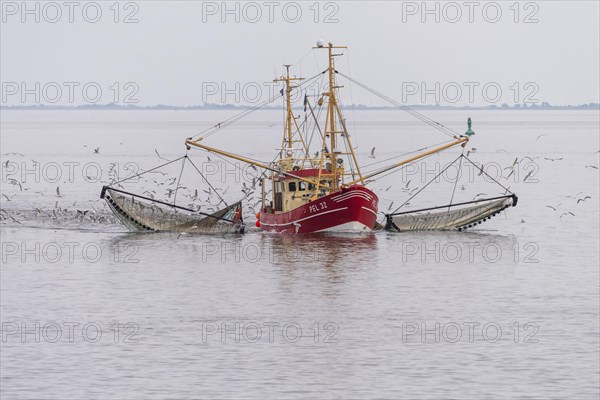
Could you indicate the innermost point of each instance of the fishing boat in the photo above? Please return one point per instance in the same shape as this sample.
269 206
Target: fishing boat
326 191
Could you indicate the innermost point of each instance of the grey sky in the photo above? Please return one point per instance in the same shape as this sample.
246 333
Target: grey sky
171 54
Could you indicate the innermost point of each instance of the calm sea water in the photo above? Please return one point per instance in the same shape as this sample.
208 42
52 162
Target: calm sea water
508 310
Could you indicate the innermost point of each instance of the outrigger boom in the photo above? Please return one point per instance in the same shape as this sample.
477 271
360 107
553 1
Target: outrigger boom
462 140
459 141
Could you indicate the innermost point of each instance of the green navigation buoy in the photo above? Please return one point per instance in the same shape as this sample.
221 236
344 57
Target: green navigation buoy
469 132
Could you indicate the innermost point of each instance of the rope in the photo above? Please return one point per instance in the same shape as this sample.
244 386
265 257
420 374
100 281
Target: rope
427 184
405 154
434 124
149 170
212 130
456 181
206 180
481 169
179 180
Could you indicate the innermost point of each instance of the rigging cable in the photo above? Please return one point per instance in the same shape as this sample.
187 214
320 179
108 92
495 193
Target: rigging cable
179 180
456 182
212 130
483 172
206 180
139 174
427 184
419 116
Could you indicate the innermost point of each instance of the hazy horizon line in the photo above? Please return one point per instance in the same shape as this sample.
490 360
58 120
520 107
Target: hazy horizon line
228 106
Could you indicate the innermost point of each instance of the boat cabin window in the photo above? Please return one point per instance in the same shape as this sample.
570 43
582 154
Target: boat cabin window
292 186
302 185
311 186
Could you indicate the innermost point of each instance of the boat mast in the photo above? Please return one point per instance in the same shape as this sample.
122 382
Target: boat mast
330 112
336 170
288 141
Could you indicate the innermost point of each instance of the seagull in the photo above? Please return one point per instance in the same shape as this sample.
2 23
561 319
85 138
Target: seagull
591 166
11 217
566 213
159 157
552 159
531 159
297 226
462 187
58 192
97 150
554 208
15 182
527 176
583 199
479 194
513 164
8 198
538 138
372 155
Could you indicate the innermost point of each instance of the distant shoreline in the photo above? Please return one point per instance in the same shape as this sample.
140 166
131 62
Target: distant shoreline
212 107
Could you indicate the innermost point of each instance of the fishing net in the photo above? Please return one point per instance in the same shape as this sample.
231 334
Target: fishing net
466 215
152 213
143 215
455 215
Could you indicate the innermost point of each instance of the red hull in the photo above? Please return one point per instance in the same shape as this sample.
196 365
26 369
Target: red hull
352 209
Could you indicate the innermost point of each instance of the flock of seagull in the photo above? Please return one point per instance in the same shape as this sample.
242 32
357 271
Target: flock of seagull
579 197
209 199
